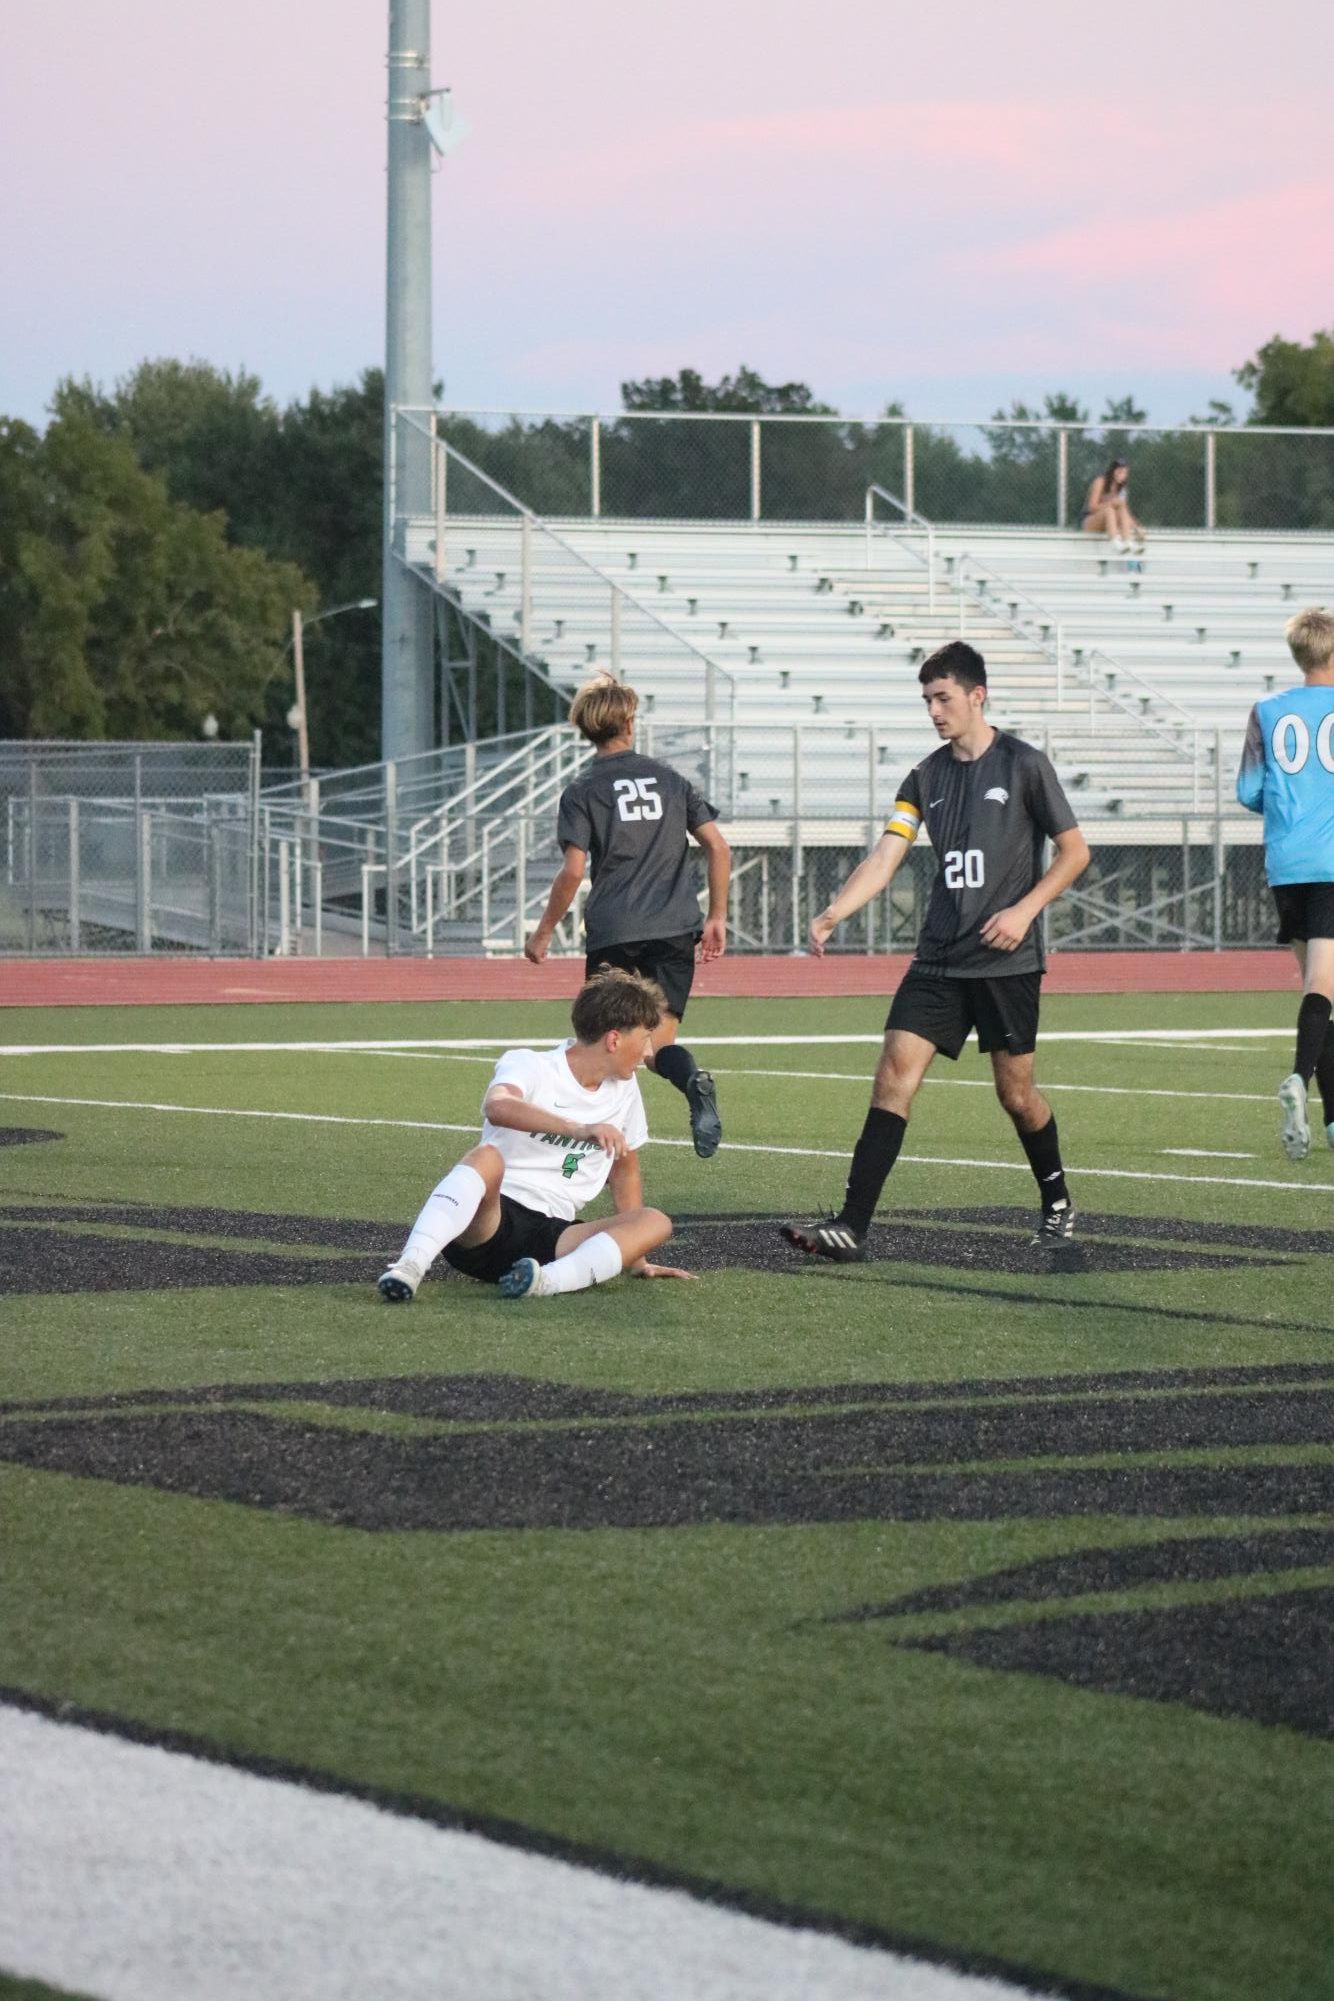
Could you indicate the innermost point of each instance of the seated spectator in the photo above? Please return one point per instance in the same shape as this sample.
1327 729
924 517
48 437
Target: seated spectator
1107 509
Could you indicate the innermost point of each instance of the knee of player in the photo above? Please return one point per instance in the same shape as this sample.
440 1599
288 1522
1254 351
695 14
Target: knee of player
1017 1099
658 1224
486 1161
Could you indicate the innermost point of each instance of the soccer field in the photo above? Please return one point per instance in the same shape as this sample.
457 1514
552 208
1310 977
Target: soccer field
964 1606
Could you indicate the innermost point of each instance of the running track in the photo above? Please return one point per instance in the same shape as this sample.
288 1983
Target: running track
160 982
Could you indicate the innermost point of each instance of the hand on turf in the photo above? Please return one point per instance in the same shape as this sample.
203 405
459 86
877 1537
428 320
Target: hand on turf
537 946
820 932
645 1270
713 939
610 1138
1007 930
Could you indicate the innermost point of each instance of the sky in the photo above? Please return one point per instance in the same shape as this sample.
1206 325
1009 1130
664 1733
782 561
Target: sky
949 205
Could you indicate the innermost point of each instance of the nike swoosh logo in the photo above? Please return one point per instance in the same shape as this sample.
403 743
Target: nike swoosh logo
935 802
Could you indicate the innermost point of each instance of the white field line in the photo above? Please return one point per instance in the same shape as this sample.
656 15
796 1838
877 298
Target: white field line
1170 1037
1321 1188
139 1874
863 1077
1205 1153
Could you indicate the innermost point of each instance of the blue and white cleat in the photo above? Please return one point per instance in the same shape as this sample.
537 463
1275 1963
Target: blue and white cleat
523 1281
1329 1132
1295 1131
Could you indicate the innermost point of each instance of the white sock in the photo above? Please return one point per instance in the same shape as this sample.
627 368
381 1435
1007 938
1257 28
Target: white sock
446 1213
593 1262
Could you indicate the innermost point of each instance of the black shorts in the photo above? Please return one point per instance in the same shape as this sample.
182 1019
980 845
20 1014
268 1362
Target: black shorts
522 1233
1003 1011
1305 910
669 961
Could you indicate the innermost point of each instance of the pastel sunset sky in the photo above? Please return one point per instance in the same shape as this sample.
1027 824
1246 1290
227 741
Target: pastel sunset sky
951 203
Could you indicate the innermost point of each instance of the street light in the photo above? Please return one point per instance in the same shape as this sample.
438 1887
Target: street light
296 715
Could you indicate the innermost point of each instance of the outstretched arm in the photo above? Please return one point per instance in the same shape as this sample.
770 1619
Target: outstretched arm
563 892
867 880
713 941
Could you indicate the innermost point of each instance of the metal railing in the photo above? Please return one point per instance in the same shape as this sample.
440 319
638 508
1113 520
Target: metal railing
538 574
738 466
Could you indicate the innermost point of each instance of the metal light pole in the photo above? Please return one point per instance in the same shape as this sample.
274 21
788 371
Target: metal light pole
296 716
407 692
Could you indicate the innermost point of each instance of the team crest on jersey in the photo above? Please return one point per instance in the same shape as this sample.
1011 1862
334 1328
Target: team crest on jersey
999 794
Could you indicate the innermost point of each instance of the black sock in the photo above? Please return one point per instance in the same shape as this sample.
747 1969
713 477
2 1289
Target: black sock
872 1157
675 1062
1044 1157
1312 1028
1324 1075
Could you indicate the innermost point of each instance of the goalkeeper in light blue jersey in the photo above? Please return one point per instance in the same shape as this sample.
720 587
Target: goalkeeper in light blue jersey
1287 773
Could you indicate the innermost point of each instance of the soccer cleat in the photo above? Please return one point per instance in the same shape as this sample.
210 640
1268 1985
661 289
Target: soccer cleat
1329 1132
399 1284
1057 1227
1295 1131
706 1128
832 1240
522 1281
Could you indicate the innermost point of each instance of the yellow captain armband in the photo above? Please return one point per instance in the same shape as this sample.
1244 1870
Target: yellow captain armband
904 821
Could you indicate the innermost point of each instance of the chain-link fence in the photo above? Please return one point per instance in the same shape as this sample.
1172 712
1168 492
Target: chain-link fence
713 466
127 847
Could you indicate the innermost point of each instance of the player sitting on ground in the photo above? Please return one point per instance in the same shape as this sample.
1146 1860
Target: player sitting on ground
632 814
988 801
1287 773
557 1126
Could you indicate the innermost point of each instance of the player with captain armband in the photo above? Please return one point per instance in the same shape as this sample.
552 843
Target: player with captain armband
1287 774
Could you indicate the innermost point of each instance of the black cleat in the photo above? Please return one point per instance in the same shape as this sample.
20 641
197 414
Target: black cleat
706 1127
1056 1228
832 1240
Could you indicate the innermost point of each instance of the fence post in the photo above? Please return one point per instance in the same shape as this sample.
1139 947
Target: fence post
754 468
143 880
909 472
595 468
796 838
390 859
1060 665
252 928
616 631
870 518
213 864
32 852
872 827
525 580
931 569
1211 479
520 879
1218 840
1062 476
75 939
316 867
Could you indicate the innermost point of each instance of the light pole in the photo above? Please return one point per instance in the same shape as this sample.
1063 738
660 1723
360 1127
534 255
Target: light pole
296 715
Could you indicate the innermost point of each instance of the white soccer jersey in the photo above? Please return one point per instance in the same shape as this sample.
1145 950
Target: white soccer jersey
548 1171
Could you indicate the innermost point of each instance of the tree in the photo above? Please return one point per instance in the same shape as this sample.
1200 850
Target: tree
124 613
1291 384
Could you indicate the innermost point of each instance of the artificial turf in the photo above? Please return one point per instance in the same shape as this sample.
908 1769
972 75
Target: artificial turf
945 1596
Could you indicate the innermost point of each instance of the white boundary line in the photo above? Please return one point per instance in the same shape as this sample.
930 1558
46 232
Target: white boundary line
140 1874
1322 1188
1171 1037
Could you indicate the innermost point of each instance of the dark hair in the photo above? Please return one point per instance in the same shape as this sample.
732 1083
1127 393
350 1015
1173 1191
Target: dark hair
958 659
616 999
1107 476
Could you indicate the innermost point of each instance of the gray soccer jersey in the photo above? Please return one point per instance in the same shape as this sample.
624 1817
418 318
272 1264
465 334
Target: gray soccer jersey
631 815
987 818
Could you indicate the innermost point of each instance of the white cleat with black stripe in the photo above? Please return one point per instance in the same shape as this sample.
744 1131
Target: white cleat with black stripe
832 1240
1295 1131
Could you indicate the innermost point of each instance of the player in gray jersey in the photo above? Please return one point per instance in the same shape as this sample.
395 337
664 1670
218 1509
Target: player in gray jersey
630 820
989 802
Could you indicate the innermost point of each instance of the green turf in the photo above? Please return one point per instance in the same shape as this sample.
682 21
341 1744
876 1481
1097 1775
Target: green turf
680 1695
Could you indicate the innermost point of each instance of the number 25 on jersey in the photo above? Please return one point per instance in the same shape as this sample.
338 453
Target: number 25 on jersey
637 799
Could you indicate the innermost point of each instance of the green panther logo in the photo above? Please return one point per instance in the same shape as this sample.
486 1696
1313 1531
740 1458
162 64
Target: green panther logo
570 1166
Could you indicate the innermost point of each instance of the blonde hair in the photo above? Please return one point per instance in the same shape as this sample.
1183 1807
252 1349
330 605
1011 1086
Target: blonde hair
1310 637
604 709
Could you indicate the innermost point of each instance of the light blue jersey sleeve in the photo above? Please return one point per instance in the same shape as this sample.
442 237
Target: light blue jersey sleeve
1287 774
1251 775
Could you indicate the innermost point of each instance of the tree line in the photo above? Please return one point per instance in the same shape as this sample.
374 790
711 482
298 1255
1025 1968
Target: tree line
155 538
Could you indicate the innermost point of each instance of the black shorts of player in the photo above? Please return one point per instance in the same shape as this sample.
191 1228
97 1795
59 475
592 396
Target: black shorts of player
1004 1012
669 961
522 1233
1305 910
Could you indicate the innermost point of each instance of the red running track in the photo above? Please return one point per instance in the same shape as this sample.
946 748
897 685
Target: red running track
173 982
